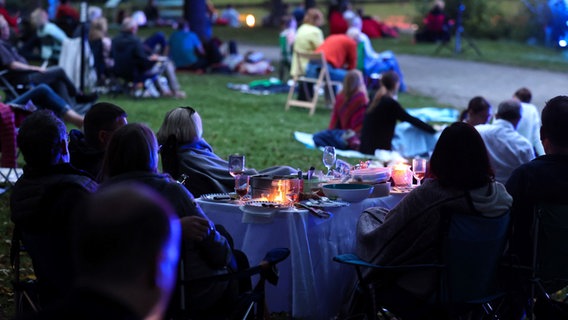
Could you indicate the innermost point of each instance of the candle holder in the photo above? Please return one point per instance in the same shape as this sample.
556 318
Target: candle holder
402 175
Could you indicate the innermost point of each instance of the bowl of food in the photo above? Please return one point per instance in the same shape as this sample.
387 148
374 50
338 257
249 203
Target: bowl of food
349 192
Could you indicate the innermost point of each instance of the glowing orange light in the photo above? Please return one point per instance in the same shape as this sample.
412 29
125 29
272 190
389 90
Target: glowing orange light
250 20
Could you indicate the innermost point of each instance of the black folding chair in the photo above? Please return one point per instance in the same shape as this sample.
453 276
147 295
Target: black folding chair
250 304
472 248
549 269
25 290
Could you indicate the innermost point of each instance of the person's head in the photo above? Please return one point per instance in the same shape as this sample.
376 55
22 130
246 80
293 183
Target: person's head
314 17
183 25
523 94
509 110
98 29
127 242
42 139
39 18
184 123
440 4
478 111
94 13
352 83
101 121
554 129
4 28
390 81
131 148
353 33
460 160
129 25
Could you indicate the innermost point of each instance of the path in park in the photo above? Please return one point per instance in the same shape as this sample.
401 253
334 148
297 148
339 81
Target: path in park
454 82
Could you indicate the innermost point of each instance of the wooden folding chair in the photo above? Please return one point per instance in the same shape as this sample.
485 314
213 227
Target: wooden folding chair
323 80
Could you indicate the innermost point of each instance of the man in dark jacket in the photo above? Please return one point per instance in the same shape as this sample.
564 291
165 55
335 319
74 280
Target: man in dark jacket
88 149
44 201
133 62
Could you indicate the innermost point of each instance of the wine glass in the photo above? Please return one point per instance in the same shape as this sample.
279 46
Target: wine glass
328 158
242 185
418 169
236 164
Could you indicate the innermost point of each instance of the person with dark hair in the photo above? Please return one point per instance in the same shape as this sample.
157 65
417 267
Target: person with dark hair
436 25
66 11
382 115
186 50
44 201
507 148
544 179
529 126
126 250
132 156
459 179
87 148
185 151
478 111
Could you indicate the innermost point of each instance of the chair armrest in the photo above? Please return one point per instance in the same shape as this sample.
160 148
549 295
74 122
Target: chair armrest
351 259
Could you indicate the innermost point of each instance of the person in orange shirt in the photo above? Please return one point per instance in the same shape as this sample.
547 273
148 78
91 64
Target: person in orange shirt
340 52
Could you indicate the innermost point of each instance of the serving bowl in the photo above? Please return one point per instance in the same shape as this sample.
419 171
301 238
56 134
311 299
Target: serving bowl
372 175
349 192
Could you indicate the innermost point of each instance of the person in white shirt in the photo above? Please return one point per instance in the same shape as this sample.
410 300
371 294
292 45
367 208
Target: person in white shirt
507 149
529 126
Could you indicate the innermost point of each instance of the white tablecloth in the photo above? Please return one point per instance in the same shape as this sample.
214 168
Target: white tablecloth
311 285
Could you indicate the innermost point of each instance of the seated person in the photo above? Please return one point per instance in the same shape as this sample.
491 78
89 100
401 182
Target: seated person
375 62
184 151
231 16
101 45
350 103
116 278
436 25
186 50
340 51
374 28
132 156
133 62
410 233
87 149
337 24
20 72
382 115
478 111
44 98
67 17
50 35
45 200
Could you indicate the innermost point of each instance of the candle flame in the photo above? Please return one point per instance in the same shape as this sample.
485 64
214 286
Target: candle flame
250 20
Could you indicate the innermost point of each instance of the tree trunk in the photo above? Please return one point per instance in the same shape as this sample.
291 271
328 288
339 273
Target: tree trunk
195 12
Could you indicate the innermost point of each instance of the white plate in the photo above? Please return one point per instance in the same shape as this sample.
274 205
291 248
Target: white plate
219 197
401 190
262 206
325 204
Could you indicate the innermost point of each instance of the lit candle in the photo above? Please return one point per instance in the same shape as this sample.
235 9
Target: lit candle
402 175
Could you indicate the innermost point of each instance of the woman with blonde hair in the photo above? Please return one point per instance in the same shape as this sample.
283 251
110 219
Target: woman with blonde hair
308 37
382 115
185 152
350 104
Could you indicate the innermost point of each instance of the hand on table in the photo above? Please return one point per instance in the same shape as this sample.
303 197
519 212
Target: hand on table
196 228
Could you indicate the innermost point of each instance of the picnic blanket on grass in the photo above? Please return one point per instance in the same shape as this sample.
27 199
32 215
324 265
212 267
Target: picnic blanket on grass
408 141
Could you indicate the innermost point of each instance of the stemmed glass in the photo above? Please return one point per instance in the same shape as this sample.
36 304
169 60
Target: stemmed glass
328 158
237 169
236 164
418 169
242 186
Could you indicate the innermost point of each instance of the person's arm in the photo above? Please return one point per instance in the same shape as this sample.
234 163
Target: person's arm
20 66
402 115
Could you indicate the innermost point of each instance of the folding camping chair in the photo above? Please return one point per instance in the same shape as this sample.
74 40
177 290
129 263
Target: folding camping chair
25 290
472 248
251 304
323 80
285 58
549 269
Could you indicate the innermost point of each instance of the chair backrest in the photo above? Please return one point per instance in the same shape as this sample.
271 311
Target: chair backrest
285 54
550 245
361 57
473 250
